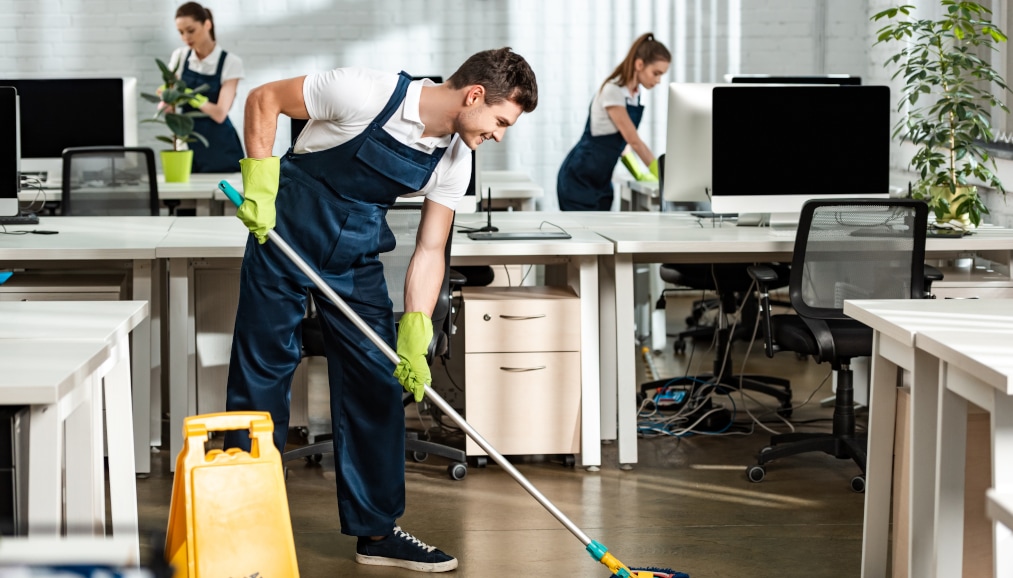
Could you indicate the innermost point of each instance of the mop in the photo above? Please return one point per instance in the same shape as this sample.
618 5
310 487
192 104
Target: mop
596 549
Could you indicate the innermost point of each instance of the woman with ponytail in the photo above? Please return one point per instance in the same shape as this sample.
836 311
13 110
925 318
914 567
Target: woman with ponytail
203 61
585 179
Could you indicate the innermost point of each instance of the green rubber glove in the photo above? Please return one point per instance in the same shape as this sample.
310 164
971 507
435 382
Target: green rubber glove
653 167
414 333
260 187
633 165
198 101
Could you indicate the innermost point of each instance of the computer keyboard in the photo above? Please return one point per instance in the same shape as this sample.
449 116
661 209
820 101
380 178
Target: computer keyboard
22 219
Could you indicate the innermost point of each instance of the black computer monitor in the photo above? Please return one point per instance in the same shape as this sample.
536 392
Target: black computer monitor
838 79
104 112
774 147
10 173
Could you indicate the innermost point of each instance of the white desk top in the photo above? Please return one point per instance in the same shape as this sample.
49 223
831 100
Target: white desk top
43 371
69 320
987 355
86 238
903 319
204 237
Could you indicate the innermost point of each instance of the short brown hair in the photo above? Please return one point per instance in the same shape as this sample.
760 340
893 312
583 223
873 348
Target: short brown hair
504 74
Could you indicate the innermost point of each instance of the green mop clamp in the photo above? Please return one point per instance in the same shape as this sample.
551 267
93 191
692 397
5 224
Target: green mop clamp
598 551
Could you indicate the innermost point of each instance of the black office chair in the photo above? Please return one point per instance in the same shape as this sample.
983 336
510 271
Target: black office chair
109 181
733 285
844 249
403 221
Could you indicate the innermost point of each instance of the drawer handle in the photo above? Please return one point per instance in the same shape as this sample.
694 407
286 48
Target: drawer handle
521 369
521 317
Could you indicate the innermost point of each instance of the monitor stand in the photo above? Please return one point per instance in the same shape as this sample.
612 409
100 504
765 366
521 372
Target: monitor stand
753 219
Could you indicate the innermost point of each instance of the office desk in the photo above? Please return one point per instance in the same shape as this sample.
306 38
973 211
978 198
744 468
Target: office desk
512 189
676 238
96 242
109 323
898 329
200 191
58 381
192 241
975 365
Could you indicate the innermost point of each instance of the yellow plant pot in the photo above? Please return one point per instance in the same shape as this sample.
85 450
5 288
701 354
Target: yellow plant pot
176 166
952 198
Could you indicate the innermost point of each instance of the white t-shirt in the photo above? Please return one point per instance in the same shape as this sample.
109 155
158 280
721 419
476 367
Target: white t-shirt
341 104
233 64
610 95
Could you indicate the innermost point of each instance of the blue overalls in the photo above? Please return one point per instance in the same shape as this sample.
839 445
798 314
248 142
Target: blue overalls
224 150
332 207
584 182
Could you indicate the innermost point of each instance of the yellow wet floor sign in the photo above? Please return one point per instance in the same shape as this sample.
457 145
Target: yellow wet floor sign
229 512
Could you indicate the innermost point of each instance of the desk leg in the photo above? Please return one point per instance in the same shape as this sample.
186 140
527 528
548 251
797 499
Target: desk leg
607 347
119 432
949 489
83 475
182 369
879 463
1002 479
586 271
626 369
924 423
45 445
145 372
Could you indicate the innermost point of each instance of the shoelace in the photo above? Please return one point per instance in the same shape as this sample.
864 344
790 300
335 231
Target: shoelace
402 534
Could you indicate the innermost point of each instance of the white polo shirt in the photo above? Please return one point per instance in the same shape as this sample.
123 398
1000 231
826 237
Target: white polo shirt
610 95
341 104
233 67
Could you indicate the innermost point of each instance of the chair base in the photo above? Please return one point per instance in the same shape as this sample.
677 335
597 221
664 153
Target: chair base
842 443
419 449
791 444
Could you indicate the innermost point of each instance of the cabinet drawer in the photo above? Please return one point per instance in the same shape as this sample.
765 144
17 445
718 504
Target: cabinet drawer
524 403
515 319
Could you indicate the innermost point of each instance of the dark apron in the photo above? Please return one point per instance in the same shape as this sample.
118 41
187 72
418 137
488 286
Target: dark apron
332 207
584 182
224 150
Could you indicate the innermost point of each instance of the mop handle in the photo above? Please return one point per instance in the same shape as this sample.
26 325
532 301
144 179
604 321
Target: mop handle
434 397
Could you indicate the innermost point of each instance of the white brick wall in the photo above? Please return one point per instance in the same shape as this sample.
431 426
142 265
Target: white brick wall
571 44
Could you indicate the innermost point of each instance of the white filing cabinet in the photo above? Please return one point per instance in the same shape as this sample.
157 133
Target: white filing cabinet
522 369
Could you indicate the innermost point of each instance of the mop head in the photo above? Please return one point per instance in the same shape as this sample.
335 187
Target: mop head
656 573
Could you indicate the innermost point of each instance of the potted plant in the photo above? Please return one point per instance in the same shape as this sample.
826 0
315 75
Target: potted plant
174 93
946 103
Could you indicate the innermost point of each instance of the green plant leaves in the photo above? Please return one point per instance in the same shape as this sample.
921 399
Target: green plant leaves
174 95
947 97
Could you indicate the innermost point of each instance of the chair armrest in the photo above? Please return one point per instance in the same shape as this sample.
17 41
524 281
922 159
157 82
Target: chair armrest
930 275
764 275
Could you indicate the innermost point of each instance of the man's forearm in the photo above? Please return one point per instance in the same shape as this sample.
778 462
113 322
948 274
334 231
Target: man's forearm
424 280
260 124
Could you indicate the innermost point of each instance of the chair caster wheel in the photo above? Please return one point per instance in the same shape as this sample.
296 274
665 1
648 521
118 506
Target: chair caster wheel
420 456
679 346
756 473
315 458
858 484
480 461
457 470
569 460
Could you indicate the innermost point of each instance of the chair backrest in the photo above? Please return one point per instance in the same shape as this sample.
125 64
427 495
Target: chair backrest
857 249
109 181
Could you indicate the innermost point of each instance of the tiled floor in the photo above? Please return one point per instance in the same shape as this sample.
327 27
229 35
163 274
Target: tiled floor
686 505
